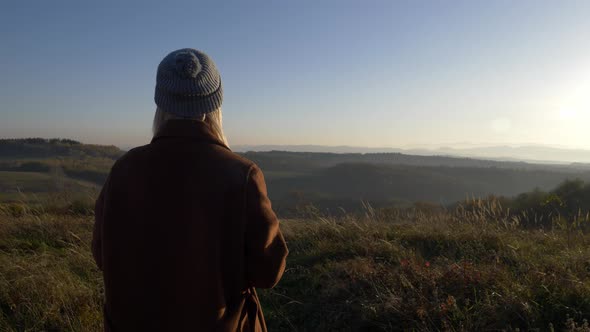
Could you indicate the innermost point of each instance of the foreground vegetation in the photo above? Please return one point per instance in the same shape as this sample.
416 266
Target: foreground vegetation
468 269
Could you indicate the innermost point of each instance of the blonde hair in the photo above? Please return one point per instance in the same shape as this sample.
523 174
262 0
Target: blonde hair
213 119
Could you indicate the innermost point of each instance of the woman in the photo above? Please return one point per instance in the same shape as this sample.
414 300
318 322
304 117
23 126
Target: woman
184 230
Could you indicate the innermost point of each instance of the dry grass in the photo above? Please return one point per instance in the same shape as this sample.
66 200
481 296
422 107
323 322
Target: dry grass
48 280
466 270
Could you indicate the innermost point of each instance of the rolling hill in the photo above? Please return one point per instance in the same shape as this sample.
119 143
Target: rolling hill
329 181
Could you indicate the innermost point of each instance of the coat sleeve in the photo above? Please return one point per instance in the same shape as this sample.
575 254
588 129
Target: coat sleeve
266 250
98 222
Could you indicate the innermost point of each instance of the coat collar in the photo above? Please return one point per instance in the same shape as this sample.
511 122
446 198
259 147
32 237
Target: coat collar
194 129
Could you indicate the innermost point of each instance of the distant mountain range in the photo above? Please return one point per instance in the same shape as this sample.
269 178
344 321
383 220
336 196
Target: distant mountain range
527 153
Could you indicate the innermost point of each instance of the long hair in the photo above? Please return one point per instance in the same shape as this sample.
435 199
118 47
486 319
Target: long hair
213 119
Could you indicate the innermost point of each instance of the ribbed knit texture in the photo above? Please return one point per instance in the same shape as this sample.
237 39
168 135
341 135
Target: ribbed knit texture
188 84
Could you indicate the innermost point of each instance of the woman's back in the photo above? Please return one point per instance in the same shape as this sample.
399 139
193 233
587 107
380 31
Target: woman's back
184 232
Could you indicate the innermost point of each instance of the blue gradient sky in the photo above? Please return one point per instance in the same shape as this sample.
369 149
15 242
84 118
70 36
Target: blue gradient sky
362 73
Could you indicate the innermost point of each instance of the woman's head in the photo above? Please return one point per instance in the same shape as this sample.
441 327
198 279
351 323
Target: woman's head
188 86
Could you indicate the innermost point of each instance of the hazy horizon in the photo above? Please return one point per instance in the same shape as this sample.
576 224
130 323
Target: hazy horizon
532 153
526 152
367 74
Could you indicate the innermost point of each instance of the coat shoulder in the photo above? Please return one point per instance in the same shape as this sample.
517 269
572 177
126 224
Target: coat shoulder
132 154
236 161
236 166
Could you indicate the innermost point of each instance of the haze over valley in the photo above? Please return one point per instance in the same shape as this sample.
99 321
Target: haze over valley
328 181
533 153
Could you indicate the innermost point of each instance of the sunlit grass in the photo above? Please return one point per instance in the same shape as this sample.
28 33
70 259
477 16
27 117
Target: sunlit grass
470 269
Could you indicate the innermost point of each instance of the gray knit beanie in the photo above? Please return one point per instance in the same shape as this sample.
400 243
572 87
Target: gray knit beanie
188 84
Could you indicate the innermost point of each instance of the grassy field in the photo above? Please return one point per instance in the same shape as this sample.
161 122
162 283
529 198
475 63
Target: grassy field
30 186
386 271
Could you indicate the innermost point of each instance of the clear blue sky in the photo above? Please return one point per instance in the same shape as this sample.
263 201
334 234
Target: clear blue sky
363 73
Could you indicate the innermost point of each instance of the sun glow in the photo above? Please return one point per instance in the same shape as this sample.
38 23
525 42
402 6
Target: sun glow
576 104
568 113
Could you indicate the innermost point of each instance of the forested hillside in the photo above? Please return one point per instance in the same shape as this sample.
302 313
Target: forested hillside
328 181
387 184
33 169
56 147
300 161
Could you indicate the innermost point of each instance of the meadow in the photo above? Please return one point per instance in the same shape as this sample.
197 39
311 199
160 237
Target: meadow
473 268
379 260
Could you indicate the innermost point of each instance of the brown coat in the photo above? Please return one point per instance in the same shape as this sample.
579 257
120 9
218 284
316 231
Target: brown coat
184 233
